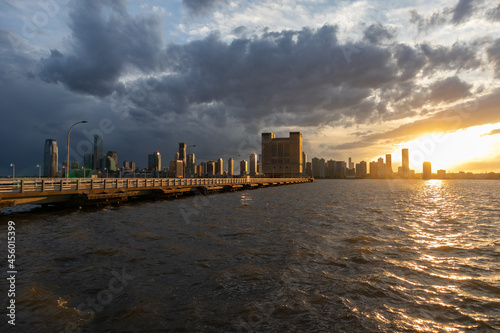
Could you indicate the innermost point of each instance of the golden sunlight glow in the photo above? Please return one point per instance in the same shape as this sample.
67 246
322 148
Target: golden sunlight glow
446 151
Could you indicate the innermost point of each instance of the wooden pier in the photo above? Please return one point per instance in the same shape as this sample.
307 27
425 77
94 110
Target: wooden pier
102 191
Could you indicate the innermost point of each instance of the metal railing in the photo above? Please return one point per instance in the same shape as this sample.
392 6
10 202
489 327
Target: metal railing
27 185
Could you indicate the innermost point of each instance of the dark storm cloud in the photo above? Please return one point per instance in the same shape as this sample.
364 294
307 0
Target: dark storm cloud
200 7
463 10
458 57
449 90
377 33
103 46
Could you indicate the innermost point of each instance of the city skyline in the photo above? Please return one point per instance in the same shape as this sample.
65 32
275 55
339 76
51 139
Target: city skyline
359 79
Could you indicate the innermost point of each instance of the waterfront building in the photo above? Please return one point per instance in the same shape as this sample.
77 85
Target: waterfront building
113 155
426 170
441 174
98 153
330 169
361 169
171 168
318 167
182 152
380 168
211 168
309 169
388 164
282 156
373 169
88 161
179 169
253 165
405 163
230 167
243 168
219 167
304 163
191 166
50 158
202 170
154 161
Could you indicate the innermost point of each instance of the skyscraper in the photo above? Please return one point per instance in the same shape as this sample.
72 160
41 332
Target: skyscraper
191 166
253 165
426 170
154 161
98 159
388 164
405 163
112 162
88 161
50 158
230 167
182 152
219 167
243 168
282 156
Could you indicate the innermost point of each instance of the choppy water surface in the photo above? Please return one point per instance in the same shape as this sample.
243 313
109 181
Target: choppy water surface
332 256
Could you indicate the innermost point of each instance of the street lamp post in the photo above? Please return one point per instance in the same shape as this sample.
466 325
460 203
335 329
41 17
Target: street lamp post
39 171
67 157
13 170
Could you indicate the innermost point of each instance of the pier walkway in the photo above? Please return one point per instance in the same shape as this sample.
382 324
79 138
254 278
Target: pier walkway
97 191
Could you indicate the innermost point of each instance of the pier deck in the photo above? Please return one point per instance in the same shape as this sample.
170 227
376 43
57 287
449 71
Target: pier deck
85 191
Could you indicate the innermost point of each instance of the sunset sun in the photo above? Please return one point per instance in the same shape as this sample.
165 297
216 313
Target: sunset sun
449 150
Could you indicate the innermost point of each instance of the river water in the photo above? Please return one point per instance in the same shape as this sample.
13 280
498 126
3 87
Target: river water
330 256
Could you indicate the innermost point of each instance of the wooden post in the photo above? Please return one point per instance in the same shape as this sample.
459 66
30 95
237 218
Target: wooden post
62 184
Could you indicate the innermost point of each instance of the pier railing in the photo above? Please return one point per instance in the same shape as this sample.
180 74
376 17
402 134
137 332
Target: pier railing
25 185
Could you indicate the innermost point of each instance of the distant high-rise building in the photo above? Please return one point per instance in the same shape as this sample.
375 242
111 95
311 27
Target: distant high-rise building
405 163
230 167
88 161
179 169
132 166
426 170
351 164
112 165
243 168
304 162
441 174
154 161
211 168
380 168
253 165
373 169
191 166
318 167
98 154
219 167
282 156
50 158
126 165
182 153
202 170
388 164
361 169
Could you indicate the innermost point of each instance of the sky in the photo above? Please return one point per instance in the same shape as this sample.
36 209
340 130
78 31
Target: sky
359 79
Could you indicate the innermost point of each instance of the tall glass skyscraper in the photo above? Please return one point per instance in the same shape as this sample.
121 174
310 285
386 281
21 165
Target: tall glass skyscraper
50 158
405 162
98 160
